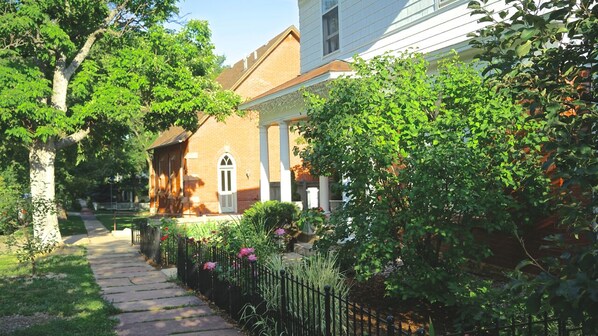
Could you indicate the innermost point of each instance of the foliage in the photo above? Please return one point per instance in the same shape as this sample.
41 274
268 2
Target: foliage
427 159
311 220
545 56
318 271
98 72
203 232
259 324
236 235
270 214
64 289
11 201
29 247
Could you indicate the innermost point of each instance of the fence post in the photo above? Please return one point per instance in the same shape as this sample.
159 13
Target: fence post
157 237
390 326
327 309
186 258
283 301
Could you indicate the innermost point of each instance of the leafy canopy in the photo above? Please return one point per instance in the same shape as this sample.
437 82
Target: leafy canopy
137 70
545 55
428 156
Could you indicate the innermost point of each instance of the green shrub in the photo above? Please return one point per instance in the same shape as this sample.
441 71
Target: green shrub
204 232
318 271
271 214
11 202
235 235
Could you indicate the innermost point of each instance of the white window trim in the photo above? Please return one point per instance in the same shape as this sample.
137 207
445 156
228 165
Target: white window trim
325 39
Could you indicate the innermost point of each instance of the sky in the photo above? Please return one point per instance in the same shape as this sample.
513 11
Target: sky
241 26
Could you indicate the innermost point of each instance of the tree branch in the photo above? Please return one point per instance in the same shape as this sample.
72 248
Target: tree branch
86 48
72 139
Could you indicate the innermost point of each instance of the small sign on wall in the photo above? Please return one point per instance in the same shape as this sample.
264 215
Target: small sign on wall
191 155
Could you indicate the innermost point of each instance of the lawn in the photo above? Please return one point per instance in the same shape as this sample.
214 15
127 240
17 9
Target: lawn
72 226
123 219
62 299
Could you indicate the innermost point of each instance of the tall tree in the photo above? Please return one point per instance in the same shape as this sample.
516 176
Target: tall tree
72 69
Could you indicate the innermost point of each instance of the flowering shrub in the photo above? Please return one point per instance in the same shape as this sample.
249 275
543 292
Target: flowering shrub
210 266
247 252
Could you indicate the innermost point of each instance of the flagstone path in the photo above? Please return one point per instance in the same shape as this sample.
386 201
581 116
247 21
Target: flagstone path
149 304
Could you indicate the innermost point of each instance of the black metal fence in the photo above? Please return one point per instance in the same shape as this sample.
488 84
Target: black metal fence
152 244
278 303
136 230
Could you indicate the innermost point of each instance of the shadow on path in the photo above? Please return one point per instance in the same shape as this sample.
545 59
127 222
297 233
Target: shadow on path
149 303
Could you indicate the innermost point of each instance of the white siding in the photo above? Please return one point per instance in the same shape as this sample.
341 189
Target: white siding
372 27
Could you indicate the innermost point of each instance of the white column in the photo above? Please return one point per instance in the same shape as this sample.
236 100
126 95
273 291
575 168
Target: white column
264 165
285 163
324 194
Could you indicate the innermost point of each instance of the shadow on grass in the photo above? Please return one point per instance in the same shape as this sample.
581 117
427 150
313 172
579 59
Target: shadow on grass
65 289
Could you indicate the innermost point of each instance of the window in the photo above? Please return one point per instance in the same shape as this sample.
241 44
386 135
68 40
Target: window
442 3
330 25
227 185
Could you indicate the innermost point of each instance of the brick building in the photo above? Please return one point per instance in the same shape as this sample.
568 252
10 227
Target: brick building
216 169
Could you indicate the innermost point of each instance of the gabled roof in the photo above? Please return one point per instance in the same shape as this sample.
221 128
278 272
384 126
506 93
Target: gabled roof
231 78
175 134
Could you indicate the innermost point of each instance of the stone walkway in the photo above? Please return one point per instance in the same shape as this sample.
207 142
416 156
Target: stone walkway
150 304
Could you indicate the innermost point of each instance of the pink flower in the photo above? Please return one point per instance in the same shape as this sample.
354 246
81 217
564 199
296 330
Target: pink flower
210 266
245 251
279 232
252 257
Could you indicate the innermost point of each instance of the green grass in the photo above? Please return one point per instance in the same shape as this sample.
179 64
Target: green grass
72 226
64 289
123 220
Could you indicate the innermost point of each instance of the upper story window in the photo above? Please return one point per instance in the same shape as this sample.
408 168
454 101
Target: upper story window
330 25
442 3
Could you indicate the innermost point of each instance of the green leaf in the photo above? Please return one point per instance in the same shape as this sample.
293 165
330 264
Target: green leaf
523 49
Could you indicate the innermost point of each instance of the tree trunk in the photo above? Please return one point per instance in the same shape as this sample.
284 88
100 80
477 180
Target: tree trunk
41 173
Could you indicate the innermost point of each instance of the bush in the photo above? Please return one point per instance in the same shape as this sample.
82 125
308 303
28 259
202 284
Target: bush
11 202
235 235
271 214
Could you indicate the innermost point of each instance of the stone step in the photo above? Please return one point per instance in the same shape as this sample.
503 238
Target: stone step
304 249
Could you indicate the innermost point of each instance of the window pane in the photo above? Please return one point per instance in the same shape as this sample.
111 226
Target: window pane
223 181
330 27
228 180
327 4
331 20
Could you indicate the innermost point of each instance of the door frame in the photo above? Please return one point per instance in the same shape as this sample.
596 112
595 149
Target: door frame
233 182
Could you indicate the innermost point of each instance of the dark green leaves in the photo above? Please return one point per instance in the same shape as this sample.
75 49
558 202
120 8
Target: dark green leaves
428 159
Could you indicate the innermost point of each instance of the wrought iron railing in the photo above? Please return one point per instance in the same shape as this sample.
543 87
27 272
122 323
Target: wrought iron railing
276 302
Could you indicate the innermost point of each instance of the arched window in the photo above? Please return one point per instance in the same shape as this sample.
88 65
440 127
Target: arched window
227 183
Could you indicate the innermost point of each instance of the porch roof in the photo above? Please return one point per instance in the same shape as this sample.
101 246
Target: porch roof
324 73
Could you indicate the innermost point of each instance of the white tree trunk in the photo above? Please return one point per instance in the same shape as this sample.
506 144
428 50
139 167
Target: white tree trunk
41 173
